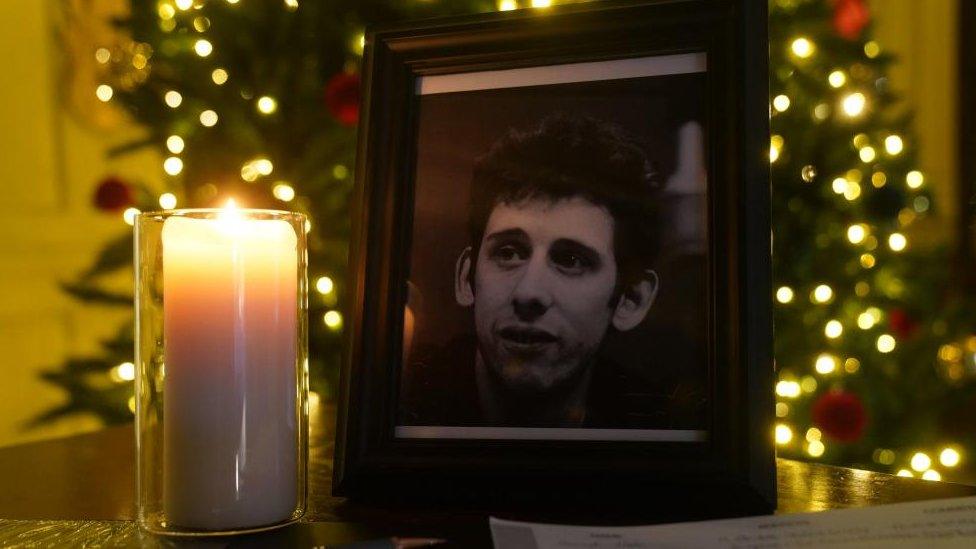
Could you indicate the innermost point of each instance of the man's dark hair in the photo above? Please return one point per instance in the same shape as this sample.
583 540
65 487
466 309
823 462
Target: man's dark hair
565 156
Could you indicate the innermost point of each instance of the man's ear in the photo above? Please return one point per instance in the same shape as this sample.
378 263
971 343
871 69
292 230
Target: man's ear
463 293
634 302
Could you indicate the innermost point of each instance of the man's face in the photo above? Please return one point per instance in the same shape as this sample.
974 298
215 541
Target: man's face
543 281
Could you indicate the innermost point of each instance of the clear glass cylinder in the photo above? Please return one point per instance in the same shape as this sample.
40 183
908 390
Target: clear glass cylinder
221 370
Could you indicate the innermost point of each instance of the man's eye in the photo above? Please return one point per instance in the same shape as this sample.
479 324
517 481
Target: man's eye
507 255
571 263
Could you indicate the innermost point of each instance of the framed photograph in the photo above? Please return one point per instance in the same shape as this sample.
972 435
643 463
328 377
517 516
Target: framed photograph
561 264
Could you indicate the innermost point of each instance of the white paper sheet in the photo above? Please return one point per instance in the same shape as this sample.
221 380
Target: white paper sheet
930 524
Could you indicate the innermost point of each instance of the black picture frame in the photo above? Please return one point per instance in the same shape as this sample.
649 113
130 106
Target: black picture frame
734 471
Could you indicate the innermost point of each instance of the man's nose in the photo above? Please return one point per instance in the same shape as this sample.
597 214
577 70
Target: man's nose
532 296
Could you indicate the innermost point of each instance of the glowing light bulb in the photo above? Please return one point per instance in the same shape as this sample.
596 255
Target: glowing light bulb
784 294
103 55
867 154
949 457
878 179
897 242
219 76
931 474
173 165
263 166
541 3
781 103
184 4
867 261
914 179
853 191
825 364
203 48
788 389
816 448
332 319
324 285
821 111
802 47
808 384
886 343
291 5
208 118
822 293
167 201
782 409
905 473
853 104
267 104
175 144
283 192
884 456
813 434
783 434
125 371
837 78
856 233
201 24
833 329
166 12
775 146
839 185
507 5
893 144
249 173
104 93
872 49
173 99
129 215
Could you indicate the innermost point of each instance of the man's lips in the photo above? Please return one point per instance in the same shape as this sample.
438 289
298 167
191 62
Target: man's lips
526 335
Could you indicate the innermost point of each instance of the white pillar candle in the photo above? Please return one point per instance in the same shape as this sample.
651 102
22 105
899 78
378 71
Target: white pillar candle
230 307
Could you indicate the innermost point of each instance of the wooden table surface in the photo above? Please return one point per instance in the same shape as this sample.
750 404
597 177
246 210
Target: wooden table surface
81 490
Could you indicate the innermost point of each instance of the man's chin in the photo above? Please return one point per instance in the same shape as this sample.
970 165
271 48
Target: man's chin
529 377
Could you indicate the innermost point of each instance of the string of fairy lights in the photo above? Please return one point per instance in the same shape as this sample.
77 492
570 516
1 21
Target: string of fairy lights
850 103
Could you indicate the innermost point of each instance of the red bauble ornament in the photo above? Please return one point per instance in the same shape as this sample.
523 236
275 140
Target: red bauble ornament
850 18
113 194
342 97
903 325
840 415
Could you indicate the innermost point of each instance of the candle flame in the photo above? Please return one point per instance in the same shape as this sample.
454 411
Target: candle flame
230 216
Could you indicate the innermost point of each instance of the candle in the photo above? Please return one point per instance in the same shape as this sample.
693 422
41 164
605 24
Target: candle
230 312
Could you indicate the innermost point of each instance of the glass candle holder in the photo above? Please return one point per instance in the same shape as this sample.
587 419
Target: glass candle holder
221 370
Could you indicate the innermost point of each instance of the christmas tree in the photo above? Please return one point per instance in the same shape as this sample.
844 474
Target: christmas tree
259 100
874 351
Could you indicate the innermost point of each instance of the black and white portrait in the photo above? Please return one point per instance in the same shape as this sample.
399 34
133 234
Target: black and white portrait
557 283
